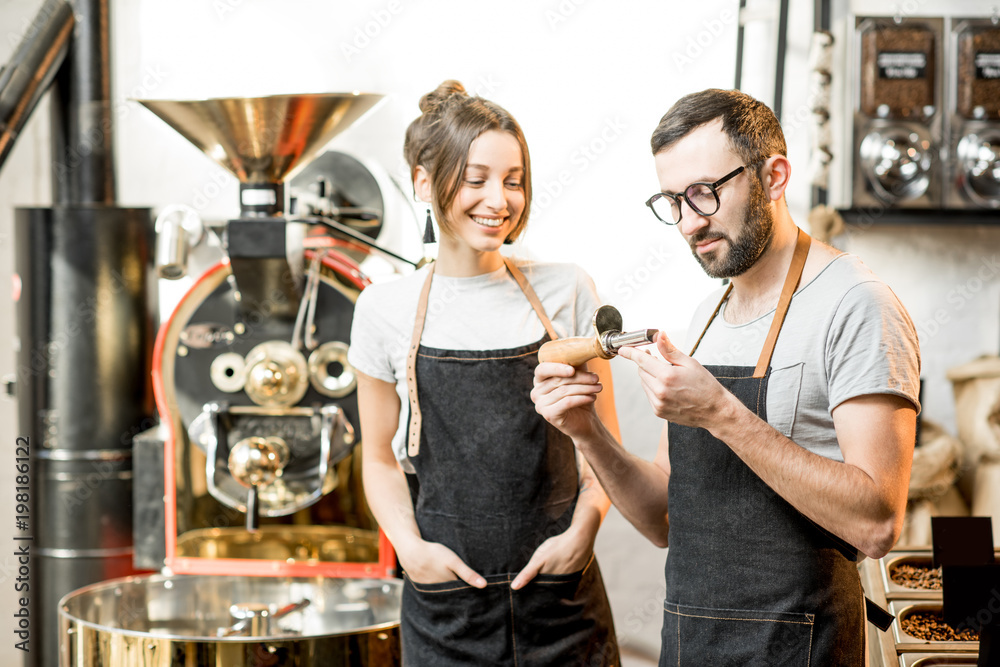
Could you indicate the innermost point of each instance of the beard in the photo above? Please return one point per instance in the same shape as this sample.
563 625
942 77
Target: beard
746 248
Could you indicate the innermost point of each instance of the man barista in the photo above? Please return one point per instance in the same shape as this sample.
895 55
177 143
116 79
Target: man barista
786 452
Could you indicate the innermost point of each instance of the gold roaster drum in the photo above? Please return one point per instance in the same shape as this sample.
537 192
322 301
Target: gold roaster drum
166 621
301 544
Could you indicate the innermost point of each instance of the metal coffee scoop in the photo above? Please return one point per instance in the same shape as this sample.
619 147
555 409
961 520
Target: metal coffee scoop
605 344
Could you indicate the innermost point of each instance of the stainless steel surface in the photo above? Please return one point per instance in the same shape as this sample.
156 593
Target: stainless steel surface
979 160
255 619
167 621
148 530
263 139
897 161
178 229
615 341
343 187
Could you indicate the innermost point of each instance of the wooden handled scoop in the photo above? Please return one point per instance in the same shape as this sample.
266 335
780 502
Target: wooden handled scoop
605 344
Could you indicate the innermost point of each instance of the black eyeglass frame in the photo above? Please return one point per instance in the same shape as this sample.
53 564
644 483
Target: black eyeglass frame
712 187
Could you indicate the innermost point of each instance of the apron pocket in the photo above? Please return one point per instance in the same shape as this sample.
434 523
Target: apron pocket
783 389
705 636
454 623
563 620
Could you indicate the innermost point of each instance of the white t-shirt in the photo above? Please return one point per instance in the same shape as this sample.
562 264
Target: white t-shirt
485 312
845 335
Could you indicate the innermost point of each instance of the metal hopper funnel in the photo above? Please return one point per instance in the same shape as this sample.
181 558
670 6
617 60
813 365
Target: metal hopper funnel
262 140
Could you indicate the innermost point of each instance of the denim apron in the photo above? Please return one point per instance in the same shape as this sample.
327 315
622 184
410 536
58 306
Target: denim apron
750 580
493 481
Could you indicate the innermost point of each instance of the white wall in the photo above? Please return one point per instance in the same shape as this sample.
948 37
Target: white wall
587 80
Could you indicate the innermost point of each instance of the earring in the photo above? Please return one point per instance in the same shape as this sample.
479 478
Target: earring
429 230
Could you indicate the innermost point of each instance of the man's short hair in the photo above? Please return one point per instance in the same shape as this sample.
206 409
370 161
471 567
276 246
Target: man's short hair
753 130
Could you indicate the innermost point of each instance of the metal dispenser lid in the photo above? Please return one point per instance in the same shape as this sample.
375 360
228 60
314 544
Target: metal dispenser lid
897 161
263 139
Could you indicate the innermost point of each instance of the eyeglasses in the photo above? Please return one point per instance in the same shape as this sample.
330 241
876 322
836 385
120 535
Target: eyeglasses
703 198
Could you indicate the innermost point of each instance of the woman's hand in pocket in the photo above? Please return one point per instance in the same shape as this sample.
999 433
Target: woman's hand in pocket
565 553
434 563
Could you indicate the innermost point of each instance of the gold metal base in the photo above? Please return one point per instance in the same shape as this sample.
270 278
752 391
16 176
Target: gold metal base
162 621
289 543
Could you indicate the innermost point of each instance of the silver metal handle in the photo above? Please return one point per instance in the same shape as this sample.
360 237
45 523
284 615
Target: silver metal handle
612 341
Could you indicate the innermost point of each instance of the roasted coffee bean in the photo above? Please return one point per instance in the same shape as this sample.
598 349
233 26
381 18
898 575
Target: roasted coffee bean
916 576
930 626
897 70
978 76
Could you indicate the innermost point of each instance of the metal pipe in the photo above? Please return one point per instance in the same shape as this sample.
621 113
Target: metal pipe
779 70
739 45
821 22
84 391
31 70
84 319
82 136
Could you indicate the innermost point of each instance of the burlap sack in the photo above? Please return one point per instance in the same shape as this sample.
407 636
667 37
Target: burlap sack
932 489
977 408
917 523
977 418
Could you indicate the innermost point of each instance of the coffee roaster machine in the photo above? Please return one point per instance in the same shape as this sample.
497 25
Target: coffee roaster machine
195 483
248 493
913 110
234 530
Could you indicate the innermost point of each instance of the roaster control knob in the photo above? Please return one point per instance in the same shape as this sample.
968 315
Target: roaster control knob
276 374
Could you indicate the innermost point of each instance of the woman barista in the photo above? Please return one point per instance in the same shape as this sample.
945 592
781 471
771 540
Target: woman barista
495 517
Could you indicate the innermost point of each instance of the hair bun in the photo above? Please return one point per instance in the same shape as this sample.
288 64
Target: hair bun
442 93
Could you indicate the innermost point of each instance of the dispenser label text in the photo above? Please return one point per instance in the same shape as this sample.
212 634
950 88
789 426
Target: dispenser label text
987 65
893 65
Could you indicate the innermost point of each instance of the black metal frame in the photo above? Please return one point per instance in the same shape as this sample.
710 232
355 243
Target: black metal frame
779 70
821 21
713 188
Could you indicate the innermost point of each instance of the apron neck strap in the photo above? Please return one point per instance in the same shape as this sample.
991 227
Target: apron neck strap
792 278
711 319
787 290
529 292
413 441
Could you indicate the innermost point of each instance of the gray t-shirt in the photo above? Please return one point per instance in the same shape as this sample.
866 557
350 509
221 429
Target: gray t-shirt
845 335
485 312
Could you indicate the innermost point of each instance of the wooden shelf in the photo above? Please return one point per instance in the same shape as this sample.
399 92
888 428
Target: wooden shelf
875 216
